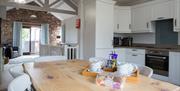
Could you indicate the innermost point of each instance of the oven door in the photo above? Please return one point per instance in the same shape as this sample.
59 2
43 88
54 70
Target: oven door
159 64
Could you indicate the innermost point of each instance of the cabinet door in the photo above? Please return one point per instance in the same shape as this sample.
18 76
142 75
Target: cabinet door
163 10
177 16
141 17
174 73
121 54
136 56
136 59
104 24
116 19
123 19
104 53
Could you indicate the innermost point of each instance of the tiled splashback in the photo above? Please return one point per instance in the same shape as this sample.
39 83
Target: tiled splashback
144 38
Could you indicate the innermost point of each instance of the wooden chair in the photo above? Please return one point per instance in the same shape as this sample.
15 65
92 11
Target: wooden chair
50 58
21 83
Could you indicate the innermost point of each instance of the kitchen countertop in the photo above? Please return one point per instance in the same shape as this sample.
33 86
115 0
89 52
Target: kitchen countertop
170 48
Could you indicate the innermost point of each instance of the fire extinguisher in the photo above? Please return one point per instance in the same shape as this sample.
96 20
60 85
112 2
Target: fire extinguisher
78 23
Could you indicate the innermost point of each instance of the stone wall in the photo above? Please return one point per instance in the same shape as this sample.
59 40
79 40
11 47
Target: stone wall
23 15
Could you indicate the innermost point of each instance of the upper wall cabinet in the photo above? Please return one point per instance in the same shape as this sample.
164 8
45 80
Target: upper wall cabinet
122 19
163 10
177 15
141 19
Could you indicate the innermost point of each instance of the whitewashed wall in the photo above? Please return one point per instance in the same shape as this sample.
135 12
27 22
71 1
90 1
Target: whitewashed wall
71 32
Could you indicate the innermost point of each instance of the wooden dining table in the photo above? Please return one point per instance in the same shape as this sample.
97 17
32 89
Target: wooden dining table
66 76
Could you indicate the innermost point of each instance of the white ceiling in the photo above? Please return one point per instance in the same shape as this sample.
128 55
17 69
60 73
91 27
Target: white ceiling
64 6
58 5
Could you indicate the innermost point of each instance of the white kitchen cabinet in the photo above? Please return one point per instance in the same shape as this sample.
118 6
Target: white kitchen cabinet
103 52
163 10
141 19
121 54
98 26
136 56
174 66
122 19
177 15
104 24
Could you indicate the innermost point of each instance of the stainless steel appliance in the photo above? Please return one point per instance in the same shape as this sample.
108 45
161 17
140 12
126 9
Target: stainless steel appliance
127 41
158 60
117 41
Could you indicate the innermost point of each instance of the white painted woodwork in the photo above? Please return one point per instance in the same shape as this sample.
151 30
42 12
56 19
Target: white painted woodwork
141 19
177 15
3 12
98 26
121 54
1 64
103 52
174 66
50 50
136 56
104 24
163 10
46 6
122 19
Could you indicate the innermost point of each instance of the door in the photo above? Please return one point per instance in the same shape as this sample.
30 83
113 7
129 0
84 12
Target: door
177 16
26 38
104 24
30 40
141 17
174 73
123 19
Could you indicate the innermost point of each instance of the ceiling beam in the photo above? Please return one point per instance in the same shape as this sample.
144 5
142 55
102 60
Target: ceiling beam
39 1
71 4
55 2
36 8
46 3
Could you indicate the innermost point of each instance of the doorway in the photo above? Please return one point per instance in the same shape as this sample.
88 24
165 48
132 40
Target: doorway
30 40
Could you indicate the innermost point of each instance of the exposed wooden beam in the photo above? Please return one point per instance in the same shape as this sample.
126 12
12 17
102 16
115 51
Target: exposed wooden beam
46 4
36 8
71 4
55 2
41 2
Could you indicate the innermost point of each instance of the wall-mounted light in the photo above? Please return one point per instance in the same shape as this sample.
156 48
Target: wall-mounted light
33 16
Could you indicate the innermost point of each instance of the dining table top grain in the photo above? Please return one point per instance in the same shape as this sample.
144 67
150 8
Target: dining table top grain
67 76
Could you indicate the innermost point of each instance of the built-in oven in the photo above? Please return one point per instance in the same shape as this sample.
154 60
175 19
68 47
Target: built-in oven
158 61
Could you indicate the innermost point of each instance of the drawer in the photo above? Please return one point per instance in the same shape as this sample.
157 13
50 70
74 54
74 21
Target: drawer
135 51
136 58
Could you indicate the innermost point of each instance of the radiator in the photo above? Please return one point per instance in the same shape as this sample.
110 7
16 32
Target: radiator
71 52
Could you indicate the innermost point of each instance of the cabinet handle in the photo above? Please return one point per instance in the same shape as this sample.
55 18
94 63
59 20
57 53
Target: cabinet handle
159 18
134 55
147 24
175 22
134 50
129 26
117 26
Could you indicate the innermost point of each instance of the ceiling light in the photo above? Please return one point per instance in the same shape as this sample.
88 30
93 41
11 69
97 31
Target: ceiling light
20 1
